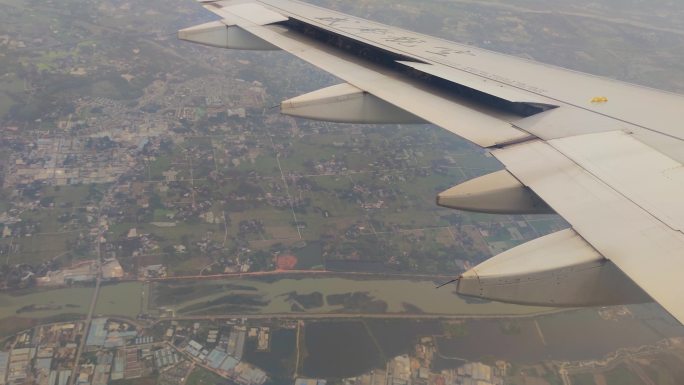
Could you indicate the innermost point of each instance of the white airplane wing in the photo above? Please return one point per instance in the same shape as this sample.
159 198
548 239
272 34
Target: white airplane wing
605 155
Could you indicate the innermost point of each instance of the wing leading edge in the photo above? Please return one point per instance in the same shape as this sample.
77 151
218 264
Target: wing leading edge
611 166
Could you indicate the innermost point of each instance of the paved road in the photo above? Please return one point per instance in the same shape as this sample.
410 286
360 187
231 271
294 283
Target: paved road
93 302
89 318
322 273
303 316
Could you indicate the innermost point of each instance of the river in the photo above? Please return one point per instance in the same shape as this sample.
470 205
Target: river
128 298
272 296
336 294
566 336
22 309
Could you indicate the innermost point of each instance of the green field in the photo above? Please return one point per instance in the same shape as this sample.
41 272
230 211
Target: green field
201 376
6 104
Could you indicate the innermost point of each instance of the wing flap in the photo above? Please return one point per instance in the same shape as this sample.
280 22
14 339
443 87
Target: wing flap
643 247
643 175
568 121
487 86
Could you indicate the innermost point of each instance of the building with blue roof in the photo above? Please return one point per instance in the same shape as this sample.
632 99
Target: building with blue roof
215 358
97 334
229 364
118 339
309 381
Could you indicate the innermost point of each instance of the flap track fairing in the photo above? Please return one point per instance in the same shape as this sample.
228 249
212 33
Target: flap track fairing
344 103
560 269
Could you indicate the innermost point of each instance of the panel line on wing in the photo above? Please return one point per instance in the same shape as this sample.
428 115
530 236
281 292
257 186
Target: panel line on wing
641 245
567 96
643 175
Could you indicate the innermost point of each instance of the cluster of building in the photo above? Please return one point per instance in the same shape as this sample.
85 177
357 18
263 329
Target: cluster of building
225 358
83 272
263 337
403 370
473 373
19 360
42 356
64 161
166 357
123 353
615 313
6 40
119 351
415 369
109 334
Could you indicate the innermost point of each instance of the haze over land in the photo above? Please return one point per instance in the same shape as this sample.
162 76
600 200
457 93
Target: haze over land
133 167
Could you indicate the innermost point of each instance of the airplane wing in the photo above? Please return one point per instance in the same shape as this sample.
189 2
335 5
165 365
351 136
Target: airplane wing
605 155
